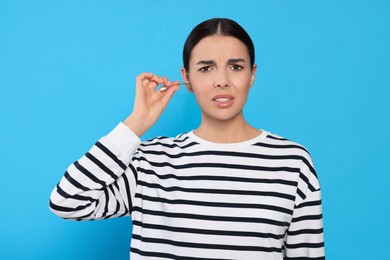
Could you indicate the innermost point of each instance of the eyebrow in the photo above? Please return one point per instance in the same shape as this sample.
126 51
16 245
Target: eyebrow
205 62
211 62
236 60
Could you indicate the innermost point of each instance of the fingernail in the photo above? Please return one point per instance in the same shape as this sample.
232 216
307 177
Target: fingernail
169 83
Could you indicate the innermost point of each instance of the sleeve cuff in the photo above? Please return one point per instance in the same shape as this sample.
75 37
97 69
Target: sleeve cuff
122 141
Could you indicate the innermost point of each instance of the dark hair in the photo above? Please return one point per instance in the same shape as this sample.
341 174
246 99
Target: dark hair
219 26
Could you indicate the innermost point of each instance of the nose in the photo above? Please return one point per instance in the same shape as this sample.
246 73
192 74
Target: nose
221 80
221 85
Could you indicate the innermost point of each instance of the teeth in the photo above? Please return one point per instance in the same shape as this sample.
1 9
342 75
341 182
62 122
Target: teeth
222 99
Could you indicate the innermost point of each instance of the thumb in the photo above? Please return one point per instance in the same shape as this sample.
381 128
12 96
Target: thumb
168 94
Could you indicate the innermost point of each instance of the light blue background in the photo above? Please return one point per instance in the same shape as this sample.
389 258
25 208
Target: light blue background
67 73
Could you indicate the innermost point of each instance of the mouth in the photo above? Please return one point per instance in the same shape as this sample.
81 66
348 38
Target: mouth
223 101
223 97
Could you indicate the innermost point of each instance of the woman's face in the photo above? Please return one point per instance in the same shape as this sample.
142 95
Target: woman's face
220 76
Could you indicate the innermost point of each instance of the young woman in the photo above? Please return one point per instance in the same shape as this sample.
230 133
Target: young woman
225 190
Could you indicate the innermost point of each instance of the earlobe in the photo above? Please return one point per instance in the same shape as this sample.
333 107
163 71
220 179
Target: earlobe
186 80
253 74
188 86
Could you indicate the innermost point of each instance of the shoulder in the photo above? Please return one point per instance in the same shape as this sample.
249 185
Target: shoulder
292 149
180 141
284 145
308 179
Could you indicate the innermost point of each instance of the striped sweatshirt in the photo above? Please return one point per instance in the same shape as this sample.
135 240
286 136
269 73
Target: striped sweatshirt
194 199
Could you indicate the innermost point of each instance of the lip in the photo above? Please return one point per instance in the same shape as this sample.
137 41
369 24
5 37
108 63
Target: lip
223 100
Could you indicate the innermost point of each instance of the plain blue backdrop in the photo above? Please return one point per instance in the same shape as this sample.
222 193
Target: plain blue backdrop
67 73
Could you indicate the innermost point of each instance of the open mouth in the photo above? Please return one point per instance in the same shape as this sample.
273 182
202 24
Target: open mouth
222 99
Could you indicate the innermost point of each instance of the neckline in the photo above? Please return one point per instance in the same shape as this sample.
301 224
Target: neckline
263 134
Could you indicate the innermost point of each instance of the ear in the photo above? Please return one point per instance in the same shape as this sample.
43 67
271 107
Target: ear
186 78
253 75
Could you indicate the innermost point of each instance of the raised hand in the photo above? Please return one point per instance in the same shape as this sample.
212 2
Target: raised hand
149 103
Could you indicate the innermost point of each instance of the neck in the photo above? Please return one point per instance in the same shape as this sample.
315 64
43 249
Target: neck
226 131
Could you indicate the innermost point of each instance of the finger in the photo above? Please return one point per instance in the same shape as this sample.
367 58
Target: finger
152 85
145 75
161 81
166 81
176 82
168 94
166 86
146 82
142 79
157 80
145 78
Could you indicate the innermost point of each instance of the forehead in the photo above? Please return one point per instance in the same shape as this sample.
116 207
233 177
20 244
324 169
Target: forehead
219 47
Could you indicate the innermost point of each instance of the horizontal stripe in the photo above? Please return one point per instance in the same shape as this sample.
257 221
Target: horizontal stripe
309 204
174 145
224 154
280 146
305 231
206 246
216 191
75 197
232 154
74 182
101 165
214 204
211 218
111 155
277 138
221 165
305 258
234 233
305 245
306 180
88 174
308 217
218 178
67 209
178 140
168 256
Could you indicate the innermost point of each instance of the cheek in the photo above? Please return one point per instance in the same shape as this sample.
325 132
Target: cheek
241 83
200 85
200 93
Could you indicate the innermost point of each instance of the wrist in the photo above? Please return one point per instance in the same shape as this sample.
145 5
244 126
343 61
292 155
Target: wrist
136 124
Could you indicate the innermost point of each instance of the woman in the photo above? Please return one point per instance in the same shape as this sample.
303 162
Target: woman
223 191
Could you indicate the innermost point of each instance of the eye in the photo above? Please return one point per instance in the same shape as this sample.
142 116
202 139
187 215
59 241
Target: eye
205 69
236 67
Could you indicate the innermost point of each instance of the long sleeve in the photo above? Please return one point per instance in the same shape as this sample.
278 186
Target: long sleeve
304 238
102 183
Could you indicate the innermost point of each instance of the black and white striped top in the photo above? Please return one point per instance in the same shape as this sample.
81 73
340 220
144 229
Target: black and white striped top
194 199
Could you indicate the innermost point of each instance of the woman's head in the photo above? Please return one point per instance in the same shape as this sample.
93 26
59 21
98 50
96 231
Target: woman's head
219 68
217 26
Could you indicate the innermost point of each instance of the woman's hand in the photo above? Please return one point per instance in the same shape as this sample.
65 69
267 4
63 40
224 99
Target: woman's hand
149 103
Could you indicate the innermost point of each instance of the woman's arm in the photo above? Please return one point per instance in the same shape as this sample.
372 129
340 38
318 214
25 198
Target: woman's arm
102 183
305 235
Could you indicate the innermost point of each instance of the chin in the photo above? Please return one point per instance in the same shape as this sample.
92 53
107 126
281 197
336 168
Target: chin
224 116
